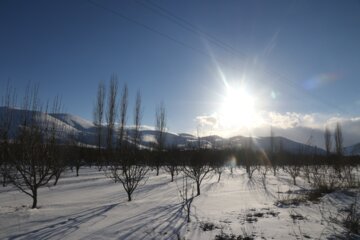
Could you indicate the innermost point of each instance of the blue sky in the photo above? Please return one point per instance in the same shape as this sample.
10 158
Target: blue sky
295 58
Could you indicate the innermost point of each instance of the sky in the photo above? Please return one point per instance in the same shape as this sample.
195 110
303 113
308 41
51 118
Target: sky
295 63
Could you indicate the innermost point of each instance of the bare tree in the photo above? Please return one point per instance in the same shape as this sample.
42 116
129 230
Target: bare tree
122 114
198 135
130 172
171 162
197 169
129 167
59 163
8 101
328 142
218 169
263 171
33 156
307 171
98 120
160 134
161 125
137 120
272 155
251 164
76 153
294 171
338 140
111 112
339 150
247 158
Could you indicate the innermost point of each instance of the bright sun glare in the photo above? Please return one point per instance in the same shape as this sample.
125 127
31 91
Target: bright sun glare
238 108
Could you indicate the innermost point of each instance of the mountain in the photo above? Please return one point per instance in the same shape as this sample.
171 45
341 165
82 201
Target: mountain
86 132
19 116
352 150
74 121
264 143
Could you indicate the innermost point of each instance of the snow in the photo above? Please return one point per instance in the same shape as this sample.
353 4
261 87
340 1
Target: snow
91 206
74 121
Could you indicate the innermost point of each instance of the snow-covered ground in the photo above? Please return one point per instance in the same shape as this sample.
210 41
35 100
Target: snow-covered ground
91 206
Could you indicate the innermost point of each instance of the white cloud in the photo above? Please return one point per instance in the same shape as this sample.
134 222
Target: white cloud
296 126
287 120
207 121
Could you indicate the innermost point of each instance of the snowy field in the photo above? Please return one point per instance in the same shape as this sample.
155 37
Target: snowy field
91 206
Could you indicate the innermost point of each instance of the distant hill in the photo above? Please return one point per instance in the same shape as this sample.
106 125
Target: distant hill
86 133
352 150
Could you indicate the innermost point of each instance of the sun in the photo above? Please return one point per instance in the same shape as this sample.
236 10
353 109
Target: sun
238 108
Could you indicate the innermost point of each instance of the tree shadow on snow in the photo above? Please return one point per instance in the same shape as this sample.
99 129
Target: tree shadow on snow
164 222
256 184
63 228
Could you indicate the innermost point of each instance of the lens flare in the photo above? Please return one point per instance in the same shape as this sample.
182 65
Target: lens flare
320 80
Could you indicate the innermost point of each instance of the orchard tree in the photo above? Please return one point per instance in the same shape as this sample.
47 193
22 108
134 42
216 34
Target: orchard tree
272 152
33 158
55 131
6 119
129 166
197 169
171 162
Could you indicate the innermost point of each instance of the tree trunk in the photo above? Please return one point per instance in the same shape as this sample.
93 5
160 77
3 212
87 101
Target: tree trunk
57 176
77 170
157 170
198 188
34 196
4 179
188 214
264 183
219 177
129 196
172 176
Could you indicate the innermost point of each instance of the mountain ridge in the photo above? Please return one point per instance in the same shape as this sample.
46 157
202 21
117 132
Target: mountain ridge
75 124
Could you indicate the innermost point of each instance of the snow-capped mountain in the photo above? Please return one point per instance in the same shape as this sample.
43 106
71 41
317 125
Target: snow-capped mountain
73 121
86 132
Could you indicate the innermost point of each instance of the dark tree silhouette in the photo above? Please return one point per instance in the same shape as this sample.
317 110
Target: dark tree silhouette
328 142
8 101
122 115
128 167
197 169
338 140
34 157
160 134
111 113
98 121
